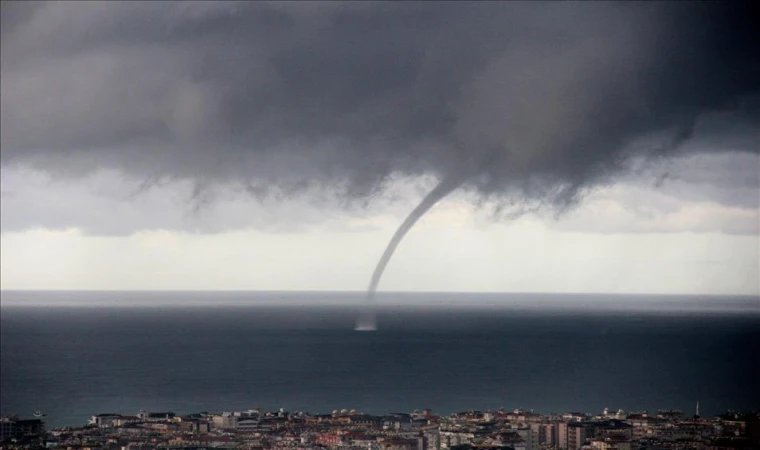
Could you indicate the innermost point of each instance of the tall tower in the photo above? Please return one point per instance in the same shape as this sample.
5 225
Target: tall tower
697 413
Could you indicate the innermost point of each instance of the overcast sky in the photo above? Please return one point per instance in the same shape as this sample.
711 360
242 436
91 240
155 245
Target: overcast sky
578 147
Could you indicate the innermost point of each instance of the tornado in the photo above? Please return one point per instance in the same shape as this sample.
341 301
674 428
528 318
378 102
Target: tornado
366 320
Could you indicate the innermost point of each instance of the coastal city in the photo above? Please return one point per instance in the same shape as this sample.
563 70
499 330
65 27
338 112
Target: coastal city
346 429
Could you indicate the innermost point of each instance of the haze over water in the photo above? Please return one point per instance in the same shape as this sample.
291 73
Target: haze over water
75 354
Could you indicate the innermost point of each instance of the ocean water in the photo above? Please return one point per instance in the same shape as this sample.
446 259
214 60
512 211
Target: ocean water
75 354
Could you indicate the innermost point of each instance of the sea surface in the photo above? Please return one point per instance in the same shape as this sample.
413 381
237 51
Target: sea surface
76 354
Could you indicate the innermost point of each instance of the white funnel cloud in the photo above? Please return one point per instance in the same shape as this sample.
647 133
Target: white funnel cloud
367 320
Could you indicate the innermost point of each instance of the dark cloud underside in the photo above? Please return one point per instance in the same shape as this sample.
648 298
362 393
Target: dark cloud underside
542 98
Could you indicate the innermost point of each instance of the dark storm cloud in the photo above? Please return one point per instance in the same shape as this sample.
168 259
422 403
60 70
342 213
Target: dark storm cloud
539 99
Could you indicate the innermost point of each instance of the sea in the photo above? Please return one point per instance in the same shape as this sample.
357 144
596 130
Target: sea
72 355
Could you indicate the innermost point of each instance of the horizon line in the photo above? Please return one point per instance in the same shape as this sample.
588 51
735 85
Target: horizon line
363 292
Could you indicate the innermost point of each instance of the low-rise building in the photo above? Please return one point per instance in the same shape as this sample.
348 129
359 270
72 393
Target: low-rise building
14 427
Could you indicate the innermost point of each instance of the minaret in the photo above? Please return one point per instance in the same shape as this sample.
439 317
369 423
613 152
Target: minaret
697 414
